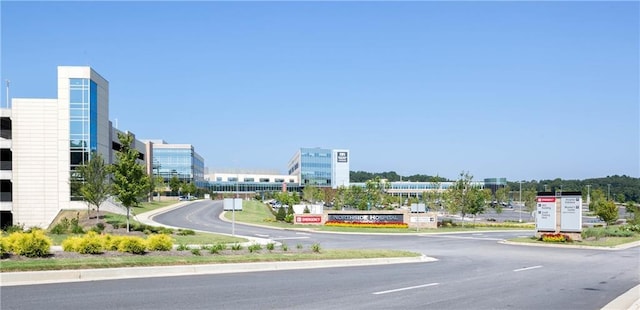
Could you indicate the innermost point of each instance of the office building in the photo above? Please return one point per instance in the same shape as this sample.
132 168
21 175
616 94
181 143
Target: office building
43 141
180 160
320 167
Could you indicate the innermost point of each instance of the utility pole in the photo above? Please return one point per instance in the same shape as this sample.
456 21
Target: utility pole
588 195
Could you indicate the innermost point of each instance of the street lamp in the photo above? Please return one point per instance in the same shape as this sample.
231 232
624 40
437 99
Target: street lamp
520 212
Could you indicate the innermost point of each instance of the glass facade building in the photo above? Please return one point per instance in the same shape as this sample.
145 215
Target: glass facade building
83 126
315 167
320 167
179 160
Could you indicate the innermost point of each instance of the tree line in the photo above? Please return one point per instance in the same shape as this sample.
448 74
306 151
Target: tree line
619 188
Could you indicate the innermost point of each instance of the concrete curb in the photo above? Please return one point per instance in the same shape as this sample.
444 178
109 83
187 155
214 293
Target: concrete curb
62 276
569 246
629 300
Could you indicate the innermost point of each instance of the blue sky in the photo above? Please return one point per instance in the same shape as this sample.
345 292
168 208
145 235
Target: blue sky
522 90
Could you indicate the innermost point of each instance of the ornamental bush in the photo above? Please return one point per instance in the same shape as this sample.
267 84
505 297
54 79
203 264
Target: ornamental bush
30 244
159 243
134 245
91 243
4 248
111 243
70 244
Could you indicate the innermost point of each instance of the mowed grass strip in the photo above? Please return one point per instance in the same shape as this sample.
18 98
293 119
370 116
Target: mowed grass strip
91 262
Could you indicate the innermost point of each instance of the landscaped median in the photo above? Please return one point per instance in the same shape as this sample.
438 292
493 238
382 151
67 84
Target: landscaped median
257 213
612 237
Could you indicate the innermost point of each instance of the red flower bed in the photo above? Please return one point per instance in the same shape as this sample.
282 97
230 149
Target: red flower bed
557 237
366 225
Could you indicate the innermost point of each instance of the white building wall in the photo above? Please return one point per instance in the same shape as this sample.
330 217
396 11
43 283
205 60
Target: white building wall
297 171
340 168
36 186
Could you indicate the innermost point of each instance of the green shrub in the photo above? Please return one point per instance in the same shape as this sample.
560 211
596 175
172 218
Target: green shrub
99 228
165 230
288 218
271 246
31 244
299 246
255 247
61 228
236 247
14 228
282 213
217 248
58 229
182 247
134 245
285 247
596 233
618 232
631 227
185 232
91 243
315 247
196 252
159 243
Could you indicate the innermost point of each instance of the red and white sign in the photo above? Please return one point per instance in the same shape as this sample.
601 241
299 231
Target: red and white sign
546 199
308 219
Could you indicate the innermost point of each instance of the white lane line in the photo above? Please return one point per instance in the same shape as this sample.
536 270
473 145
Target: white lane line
290 238
527 268
466 238
405 288
261 235
302 233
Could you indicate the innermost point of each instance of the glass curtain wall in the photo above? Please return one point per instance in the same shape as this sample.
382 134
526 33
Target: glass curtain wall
315 167
83 132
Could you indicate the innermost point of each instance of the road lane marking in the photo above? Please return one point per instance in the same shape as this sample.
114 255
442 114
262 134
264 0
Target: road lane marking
527 268
302 233
405 288
466 238
261 235
290 238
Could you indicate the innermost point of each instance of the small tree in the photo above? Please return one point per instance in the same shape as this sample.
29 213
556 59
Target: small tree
281 213
175 184
95 186
607 211
130 182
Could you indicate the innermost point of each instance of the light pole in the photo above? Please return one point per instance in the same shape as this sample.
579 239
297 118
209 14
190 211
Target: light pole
520 212
588 195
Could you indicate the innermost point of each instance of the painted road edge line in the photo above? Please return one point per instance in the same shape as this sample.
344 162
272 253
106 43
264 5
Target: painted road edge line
527 268
405 288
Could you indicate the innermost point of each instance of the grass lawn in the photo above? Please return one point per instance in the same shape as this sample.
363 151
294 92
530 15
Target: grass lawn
142 260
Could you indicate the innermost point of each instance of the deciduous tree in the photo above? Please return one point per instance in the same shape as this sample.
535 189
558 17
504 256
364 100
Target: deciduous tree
130 182
95 186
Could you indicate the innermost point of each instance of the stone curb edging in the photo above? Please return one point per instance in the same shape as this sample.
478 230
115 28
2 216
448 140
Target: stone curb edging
569 246
629 300
60 276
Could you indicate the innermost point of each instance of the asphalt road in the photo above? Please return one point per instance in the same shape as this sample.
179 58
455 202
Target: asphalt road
473 271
